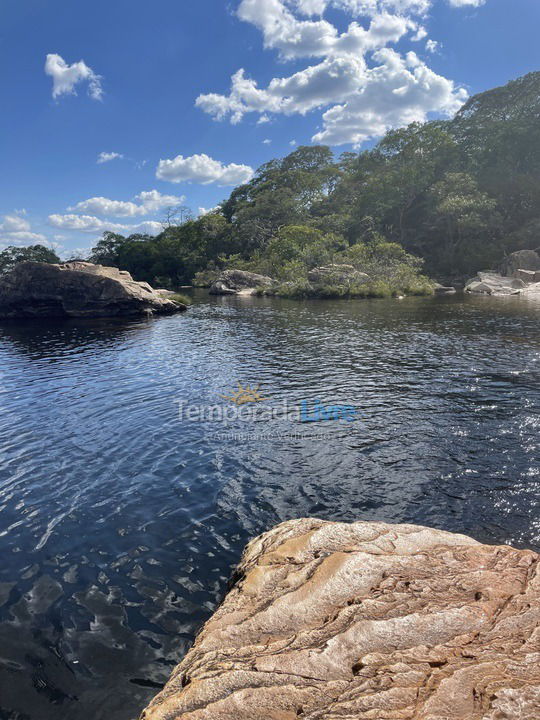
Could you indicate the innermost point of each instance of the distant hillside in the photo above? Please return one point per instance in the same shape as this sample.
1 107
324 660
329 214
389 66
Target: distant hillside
459 194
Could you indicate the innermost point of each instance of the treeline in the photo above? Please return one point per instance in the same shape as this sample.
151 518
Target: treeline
456 194
459 194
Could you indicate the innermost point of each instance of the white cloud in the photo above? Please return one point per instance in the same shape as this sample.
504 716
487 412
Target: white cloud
293 143
15 230
105 157
202 169
397 92
14 223
467 3
207 211
432 46
147 202
92 224
66 77
267 142
363 86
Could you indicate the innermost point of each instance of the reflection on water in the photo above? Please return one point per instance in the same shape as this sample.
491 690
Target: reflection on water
119 523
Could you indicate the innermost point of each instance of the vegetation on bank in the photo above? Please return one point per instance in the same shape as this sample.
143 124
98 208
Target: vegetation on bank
442 199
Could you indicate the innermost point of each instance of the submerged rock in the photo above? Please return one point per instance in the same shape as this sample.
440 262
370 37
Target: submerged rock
239 282
77 289
366 621
494 284
337 275
520 260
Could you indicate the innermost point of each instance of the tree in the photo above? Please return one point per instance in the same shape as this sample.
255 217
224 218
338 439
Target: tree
12 255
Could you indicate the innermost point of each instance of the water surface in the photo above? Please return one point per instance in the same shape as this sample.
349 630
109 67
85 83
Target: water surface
120 522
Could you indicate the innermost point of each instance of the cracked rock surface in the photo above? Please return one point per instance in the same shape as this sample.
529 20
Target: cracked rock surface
366 621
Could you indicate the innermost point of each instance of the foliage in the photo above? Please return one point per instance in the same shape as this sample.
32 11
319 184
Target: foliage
180 298
34 253
459 194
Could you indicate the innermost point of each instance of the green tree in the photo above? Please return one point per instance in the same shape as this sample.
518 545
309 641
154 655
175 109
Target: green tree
12 255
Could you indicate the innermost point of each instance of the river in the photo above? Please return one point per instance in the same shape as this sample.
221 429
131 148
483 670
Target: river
122 512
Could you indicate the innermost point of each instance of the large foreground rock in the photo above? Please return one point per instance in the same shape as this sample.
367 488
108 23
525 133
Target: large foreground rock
239 282
367 621
77 289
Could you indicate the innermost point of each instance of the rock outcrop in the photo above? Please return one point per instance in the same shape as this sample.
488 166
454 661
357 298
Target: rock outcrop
520 260
337 275
239 282
494 284
367 621
77 289
444 290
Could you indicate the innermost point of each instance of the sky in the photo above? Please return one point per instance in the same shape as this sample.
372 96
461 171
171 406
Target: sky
113 111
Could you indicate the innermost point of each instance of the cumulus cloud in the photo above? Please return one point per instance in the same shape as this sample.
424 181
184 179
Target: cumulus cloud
16 230
397 92
65 77
362 85
92 224
14 223
202 169
105 157
145 203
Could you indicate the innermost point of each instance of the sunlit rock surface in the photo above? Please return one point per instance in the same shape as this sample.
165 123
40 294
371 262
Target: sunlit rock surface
487 283
239 282
77 289
366 621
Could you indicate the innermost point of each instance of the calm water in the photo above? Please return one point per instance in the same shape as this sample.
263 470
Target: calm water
119 522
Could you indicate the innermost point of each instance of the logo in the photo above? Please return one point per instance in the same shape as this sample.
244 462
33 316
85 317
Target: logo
247 404
245 395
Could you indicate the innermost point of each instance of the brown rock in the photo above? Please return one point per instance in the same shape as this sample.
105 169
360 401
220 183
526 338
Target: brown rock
77 289
366 622
239 282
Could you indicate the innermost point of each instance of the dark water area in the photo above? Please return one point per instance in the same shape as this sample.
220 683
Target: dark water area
120 520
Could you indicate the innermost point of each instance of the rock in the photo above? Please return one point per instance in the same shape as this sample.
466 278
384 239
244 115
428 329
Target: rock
444 290
331 621
77 289
528 276
337 275
520 260
532 290
494 284
239 282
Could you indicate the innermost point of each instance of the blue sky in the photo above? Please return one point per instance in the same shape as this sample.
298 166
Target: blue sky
185 99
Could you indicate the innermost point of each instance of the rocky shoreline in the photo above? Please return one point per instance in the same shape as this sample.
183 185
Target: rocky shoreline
366 621
79 290
518 274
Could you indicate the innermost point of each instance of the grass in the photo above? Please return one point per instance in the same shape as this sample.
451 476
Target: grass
179 298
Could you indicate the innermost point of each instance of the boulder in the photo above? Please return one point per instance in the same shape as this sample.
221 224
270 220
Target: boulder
337 275
444 290
528 276
77 289
532 291
366 621
239 282
494 284
520 260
